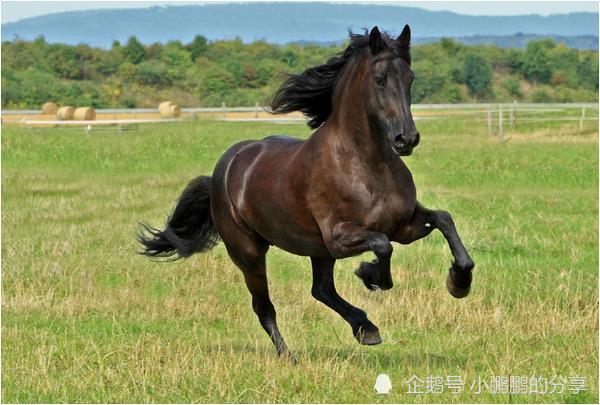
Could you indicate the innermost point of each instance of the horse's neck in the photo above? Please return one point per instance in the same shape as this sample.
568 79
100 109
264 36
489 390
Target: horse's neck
349 125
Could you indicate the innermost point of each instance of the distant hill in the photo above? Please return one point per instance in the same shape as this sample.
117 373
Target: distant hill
503 41
521 40
289 22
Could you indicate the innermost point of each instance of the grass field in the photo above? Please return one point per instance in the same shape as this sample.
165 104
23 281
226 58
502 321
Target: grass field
85 319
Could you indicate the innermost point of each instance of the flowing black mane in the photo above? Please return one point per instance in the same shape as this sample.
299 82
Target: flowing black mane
310 91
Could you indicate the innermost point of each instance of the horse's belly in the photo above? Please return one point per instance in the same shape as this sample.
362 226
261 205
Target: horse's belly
301 241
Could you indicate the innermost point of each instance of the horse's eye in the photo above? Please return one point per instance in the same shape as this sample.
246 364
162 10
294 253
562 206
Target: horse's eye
380 81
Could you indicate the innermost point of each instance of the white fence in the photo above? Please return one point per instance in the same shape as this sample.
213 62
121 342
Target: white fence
497 116
415 107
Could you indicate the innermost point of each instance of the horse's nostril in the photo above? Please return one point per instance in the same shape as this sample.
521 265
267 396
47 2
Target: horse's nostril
399 140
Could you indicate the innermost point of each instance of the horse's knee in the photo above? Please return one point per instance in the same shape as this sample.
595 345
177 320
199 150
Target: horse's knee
339 246
443 219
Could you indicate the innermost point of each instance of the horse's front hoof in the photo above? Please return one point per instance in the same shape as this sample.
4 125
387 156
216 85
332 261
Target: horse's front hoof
369 338
368 273
459 284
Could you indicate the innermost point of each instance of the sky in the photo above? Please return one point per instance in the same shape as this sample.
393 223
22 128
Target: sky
16 10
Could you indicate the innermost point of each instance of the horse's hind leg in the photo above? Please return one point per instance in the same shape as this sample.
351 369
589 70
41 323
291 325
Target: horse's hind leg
249 255
323 289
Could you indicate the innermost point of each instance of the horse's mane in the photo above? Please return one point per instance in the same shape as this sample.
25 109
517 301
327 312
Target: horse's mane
311 91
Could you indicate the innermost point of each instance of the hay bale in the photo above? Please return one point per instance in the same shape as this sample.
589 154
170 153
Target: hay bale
84 114
175 111
170 111
165 106
65 113
49 108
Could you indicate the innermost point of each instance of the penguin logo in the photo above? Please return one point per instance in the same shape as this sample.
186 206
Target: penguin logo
383 384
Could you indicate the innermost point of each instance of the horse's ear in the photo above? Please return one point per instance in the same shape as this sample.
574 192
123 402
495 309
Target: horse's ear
375 41
404 38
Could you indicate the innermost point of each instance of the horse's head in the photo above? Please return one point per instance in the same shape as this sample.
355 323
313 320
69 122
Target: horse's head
384 65
387 90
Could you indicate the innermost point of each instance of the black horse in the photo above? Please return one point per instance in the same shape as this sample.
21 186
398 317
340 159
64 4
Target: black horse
342 192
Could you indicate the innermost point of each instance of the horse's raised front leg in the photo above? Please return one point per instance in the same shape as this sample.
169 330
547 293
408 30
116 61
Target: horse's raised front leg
348 239
323 289
423 222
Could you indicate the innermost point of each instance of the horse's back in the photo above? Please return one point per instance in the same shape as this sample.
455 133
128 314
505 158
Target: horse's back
250 150
282 138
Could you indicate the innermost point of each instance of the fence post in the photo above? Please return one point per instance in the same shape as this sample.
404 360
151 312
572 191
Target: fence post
256 109
223 106
500 124
513 116
489 116
581 120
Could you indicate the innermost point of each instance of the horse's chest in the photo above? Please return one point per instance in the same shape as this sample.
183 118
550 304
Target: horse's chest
382 205
383 214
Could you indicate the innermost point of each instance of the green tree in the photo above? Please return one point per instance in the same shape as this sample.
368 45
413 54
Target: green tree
478 74
536 62
512 87
207 73
197 47
152 73
64 62
587 70
452 94
177 59
37 87
429 79
450 46
134 51
11 91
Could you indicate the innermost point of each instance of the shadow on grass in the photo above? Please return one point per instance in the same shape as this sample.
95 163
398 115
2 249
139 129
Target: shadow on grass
351 354
383 357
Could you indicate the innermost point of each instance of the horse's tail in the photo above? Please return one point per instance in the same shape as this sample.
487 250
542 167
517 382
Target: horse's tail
190 229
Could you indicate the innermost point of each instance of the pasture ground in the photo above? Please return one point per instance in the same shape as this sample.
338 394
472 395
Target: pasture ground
85 319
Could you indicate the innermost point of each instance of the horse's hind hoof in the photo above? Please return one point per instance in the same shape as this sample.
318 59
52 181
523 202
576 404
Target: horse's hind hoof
289 358
459 284
368 338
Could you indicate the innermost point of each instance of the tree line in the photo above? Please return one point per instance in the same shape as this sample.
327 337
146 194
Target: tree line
203 73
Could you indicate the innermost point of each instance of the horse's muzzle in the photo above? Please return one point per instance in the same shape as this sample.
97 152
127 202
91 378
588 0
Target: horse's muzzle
403 145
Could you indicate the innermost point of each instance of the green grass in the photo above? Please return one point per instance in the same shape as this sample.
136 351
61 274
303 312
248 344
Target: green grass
85 319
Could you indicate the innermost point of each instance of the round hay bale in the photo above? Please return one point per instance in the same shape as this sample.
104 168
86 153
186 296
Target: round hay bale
165 106
65 113
84 114
49 108
171 111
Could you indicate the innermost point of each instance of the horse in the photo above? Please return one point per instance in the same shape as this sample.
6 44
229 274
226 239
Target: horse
342 192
